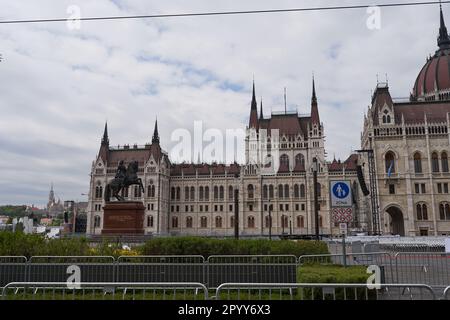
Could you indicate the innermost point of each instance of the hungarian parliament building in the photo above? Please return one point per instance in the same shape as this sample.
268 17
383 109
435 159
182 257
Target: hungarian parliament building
406 171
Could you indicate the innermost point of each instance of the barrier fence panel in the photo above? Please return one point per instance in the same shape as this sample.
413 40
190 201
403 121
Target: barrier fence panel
322 291
59 269
161 269
253 269
12 269
425 267
104 291
384 260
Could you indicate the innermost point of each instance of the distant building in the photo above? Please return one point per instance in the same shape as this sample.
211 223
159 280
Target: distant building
54 208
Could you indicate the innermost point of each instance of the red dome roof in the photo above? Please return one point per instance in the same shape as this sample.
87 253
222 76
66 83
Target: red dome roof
434 76
433 81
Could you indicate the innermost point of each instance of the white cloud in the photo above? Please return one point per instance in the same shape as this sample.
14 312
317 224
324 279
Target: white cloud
59 86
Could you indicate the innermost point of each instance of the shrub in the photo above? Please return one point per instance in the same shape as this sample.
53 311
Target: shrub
334 274
210 246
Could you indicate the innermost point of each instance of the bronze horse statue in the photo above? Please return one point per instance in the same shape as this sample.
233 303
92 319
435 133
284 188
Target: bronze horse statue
125 177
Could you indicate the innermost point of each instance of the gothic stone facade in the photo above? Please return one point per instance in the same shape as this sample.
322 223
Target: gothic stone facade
411 140
198 199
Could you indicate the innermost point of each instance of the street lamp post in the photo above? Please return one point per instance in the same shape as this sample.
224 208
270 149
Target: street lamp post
316 201
270 220
236 209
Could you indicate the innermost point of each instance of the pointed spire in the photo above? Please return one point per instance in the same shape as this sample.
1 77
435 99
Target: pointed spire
314 97
254 104
314 108
444 39
105 139
155 138
261 115
253 123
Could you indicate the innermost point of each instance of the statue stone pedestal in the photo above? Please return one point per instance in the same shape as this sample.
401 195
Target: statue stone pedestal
123 218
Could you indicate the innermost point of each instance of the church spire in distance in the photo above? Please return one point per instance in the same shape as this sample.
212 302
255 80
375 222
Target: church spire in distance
443 39
314 108
155 138
253 123
261 115
105 139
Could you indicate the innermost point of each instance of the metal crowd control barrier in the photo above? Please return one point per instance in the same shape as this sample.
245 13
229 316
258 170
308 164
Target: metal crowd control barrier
322 291
254 269
161 269
425 267
12 269
382 259
104 291
56 268
447 293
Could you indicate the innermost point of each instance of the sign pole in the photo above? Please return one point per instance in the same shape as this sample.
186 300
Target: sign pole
344 249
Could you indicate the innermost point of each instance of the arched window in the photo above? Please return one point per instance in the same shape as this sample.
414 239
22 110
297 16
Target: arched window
186 193
280 191
250 191
172 193
389 161
320 222
192 193
444 161
251 222
270 191
284 161
232 222
188 222
300 222
302 191
300 160
174 222
178 193
265 191
137 191
203 222
230 193
444 211
417 163
96 221
296 191
216 193
267 221
286 191
207 193
422 211
150 221
200 193
284 221
218 222
221 193
435 162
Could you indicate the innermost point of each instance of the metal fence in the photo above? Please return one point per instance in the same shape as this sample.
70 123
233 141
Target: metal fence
130 269
161 269
104 291
428 268
322 291
246 268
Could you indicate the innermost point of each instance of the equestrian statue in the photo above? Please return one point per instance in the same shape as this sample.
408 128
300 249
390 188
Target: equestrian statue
125 177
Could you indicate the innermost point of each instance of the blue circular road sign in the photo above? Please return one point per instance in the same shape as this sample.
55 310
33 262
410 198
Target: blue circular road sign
341 190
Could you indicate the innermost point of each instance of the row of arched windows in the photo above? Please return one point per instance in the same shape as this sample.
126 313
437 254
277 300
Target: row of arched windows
438 163
422 211
434 162
283 191
218 222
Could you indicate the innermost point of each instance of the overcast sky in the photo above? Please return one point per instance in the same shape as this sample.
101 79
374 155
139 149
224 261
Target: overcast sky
59 86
